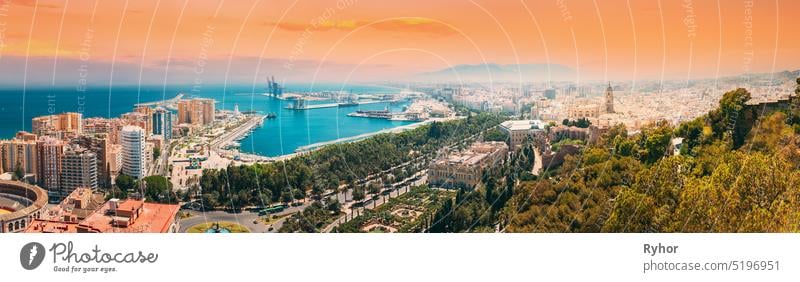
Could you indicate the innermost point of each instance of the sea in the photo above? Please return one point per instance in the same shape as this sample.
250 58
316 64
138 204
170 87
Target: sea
291 129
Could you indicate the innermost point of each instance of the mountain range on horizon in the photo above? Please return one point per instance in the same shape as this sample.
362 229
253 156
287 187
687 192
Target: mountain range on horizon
499 72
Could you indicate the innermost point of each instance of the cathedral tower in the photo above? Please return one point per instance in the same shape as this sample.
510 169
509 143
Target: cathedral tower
609 99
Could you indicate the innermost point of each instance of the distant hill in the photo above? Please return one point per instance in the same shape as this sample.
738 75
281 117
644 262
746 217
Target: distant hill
497 72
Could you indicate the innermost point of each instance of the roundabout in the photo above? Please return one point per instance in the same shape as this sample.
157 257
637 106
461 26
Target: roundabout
218 227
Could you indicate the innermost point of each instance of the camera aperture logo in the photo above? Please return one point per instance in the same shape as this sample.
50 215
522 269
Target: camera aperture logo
31 255
68 259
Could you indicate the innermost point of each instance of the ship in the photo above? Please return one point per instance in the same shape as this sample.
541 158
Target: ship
384 114
348 104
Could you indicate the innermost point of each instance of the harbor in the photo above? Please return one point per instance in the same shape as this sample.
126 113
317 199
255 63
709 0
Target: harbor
231 139
302 104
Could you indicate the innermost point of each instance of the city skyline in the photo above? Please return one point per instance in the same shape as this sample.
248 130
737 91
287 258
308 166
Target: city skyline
149 42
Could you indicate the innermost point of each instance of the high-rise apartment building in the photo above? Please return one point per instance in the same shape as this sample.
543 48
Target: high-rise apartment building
26 136
162 123
50 152
18 153
100 144
138 119
104 125
208 110
197 111
133 151
78 170
184 107
60 125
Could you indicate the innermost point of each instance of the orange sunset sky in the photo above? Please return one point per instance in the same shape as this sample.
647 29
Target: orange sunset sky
176 42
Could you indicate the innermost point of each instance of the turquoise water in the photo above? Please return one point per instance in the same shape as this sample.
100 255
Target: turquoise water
279 136
221 230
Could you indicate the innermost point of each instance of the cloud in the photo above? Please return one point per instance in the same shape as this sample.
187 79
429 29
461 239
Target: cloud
32 3
409 25
418 25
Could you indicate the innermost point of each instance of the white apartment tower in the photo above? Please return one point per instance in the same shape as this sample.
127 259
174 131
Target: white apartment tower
133 151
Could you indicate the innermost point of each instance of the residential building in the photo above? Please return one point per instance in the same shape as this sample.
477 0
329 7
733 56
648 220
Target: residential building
50 152
16 153
101 145
139 119
59 126
162 123
26 136
133 151
197 111
104 125
78 169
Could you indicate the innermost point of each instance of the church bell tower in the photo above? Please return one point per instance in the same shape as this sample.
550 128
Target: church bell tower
609 99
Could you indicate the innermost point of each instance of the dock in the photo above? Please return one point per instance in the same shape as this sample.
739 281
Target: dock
238 133
301 105
163 102
311 107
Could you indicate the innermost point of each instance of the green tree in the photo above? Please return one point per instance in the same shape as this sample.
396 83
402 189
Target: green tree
374 188
107 182
156 153
298 194
333 206
116 192
210 200
19 173
286 196
318 188
159 189
358 193
734 116
126 183
495 134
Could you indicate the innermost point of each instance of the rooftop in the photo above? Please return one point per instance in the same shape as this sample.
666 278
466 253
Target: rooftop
131 216
51 226
474 155
515 125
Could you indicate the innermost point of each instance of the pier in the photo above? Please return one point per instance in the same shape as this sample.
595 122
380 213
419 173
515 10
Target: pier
311 107
163 103
301 105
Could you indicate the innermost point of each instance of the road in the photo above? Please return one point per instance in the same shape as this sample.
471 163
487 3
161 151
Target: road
537 162
244 218
159 167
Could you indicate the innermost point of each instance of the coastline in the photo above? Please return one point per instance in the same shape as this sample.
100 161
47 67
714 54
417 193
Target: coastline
254 157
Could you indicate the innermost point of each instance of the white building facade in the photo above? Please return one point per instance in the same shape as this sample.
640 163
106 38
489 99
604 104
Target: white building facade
133 151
